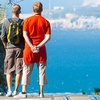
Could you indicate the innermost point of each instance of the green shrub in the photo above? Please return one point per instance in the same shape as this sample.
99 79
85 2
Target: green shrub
3 84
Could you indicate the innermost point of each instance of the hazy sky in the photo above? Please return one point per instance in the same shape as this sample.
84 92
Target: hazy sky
65 3
27 4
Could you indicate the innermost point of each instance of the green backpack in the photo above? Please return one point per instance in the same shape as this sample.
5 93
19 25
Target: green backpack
14 31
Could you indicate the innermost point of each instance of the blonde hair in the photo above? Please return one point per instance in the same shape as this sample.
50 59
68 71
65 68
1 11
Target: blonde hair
37 7
16 9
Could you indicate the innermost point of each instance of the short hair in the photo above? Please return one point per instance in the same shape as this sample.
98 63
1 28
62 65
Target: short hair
16 9
37 7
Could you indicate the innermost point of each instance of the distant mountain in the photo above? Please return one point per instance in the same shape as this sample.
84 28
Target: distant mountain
92 3
85 17
84 10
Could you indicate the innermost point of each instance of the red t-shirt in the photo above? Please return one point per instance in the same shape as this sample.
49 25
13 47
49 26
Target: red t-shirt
36 27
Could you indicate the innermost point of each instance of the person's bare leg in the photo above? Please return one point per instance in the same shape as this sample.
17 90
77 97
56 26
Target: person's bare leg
9 81
18 80
24 88
41 93
41 89
23 94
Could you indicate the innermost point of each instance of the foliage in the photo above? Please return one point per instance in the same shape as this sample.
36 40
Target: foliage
3 83
3 10
0 28
97 91
2 14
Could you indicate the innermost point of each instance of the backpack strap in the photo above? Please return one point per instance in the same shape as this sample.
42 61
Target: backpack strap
10 20
20 21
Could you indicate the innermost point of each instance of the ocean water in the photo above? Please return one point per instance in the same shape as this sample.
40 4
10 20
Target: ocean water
73 62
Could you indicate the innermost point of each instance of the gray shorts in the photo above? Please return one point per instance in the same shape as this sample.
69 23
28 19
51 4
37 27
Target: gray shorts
13 61
27 71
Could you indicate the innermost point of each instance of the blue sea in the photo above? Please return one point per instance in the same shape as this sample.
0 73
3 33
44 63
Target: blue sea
73 62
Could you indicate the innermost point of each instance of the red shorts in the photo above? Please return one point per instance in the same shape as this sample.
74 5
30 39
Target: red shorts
30 57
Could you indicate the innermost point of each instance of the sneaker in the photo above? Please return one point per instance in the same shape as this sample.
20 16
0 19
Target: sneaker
9 94
15 93
20 95
41 95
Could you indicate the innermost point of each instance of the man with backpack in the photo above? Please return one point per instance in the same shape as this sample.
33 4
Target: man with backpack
13 42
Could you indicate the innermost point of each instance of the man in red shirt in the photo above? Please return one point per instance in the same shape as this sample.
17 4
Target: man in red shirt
37 33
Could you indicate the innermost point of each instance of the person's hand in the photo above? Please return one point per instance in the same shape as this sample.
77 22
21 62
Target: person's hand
35 49
5 45
23 63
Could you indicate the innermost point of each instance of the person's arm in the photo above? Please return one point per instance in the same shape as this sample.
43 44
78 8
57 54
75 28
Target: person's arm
4 36
47 36
27 39
5 45
46 39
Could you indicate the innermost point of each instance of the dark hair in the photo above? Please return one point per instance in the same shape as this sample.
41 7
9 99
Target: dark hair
16 9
